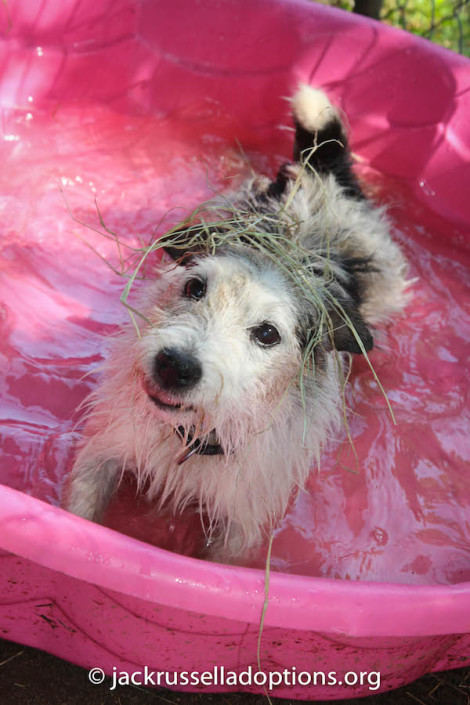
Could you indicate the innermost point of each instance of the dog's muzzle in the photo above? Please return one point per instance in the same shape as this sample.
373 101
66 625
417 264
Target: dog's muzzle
176 370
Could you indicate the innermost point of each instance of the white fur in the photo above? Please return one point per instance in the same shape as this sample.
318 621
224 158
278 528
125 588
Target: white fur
312 108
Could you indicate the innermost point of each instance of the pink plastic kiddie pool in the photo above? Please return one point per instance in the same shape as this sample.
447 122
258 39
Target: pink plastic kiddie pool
141 110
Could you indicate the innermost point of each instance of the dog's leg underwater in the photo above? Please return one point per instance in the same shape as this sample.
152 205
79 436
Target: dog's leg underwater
92 485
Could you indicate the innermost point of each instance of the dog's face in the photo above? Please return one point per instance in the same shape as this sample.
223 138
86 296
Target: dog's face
221 341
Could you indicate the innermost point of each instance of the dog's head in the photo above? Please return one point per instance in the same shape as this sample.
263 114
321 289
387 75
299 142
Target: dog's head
228 333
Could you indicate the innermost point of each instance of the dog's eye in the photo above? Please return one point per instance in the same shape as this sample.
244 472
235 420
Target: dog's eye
266 334
195 289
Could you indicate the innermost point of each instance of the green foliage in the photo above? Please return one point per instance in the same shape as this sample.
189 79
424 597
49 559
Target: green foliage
446 22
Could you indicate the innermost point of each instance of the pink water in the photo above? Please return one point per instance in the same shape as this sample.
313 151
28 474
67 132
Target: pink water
402 514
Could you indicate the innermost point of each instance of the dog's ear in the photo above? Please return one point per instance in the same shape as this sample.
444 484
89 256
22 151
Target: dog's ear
346 326
186 243
342 283
179 247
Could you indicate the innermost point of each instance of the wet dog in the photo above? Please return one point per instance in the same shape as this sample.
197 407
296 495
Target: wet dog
231 387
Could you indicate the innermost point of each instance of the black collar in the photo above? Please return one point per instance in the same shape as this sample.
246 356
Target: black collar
198 445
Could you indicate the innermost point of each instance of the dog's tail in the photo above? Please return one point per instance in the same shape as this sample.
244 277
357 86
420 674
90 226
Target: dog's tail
320 138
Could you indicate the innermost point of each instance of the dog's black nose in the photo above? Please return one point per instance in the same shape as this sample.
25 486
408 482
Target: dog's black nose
176 369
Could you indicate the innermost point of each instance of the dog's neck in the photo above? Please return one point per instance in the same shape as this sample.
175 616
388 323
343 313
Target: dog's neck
208 445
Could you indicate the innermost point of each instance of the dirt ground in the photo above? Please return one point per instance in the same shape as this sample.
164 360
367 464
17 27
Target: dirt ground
32 677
